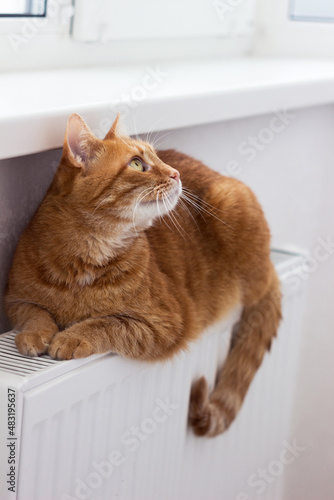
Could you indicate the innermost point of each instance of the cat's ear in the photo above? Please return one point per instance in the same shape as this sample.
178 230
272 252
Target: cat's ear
114 130
80 144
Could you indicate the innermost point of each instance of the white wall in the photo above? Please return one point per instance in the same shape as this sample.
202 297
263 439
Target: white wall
293 177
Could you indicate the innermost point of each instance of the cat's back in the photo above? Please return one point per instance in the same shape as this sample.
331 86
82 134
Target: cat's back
208 185
225 232
226 204
194 174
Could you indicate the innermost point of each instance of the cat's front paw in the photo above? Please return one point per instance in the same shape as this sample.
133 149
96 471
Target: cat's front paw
32 343
70 345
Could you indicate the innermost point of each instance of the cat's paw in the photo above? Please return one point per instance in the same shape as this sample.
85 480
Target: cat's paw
31 343
207 418
70 345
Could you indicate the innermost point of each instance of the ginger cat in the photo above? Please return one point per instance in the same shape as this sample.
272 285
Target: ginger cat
100 267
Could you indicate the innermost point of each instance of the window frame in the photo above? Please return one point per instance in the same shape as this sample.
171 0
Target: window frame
51 45
280 35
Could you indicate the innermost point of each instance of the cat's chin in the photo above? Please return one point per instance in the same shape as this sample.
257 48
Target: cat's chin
146 211
155 208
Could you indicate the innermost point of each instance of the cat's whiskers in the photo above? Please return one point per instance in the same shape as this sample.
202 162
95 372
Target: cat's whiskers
200 209
194 196
198 203
186 209
162 216
134 118
120 138
149 134
169 208
158 142
153 137
168 214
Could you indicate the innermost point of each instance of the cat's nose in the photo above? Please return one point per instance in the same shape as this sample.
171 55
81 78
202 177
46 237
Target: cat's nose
175 174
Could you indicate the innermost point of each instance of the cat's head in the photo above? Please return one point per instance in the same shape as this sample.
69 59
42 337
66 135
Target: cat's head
117 176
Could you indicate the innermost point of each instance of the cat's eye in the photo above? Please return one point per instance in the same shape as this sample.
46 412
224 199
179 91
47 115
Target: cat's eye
137 164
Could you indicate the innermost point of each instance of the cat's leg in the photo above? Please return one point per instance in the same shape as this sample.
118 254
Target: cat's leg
210 415
36 325
150 338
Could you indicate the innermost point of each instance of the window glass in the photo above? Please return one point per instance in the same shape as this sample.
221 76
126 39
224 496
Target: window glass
23 8
312 10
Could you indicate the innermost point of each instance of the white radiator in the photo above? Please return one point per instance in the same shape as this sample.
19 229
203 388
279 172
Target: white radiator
106 428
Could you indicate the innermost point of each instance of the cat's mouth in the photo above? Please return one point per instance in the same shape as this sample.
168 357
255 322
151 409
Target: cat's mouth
167 198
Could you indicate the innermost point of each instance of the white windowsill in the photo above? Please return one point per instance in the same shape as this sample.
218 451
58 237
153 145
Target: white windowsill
35 105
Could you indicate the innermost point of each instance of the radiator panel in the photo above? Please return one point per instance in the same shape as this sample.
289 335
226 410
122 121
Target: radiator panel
108 428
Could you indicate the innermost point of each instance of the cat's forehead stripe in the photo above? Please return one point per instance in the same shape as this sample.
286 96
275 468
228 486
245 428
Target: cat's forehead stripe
147 154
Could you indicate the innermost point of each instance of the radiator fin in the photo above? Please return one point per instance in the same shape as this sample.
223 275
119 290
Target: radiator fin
14 362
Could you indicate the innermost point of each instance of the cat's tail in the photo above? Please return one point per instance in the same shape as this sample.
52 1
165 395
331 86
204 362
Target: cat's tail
212 414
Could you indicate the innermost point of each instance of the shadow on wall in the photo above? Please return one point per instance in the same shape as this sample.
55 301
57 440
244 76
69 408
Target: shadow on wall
23 184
